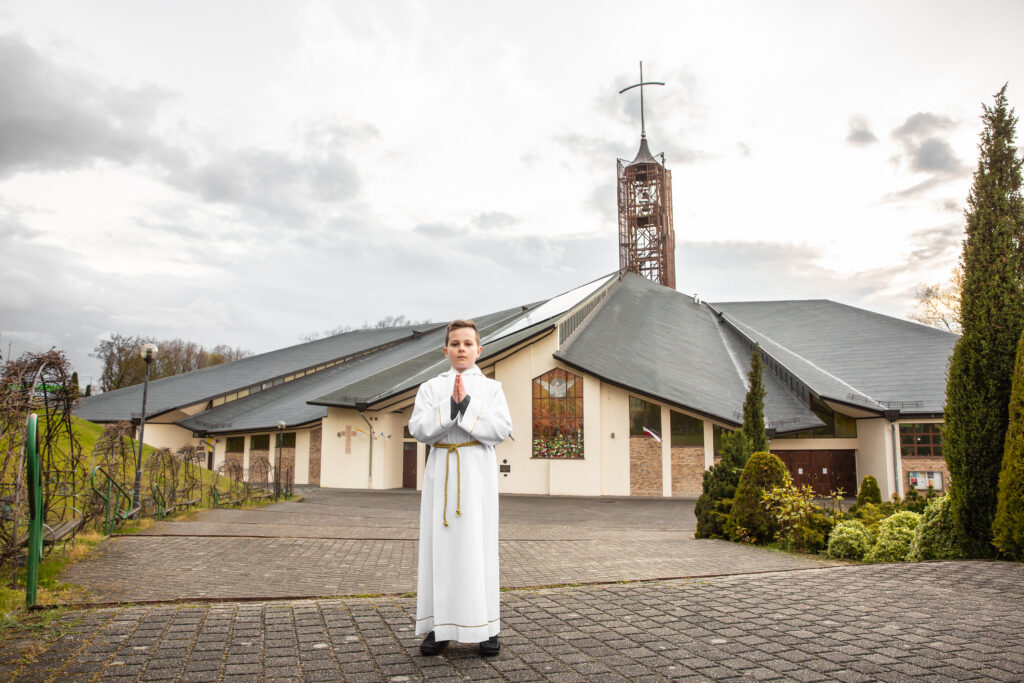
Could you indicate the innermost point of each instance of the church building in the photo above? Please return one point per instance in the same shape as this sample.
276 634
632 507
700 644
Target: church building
620 387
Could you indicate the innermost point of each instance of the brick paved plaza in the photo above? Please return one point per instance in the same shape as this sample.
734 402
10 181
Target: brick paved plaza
739 614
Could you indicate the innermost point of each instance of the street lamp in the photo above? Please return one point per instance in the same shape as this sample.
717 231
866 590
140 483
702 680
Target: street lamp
277 461
148 353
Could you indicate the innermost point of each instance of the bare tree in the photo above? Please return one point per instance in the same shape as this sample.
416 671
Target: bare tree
387 321
938 305
123 367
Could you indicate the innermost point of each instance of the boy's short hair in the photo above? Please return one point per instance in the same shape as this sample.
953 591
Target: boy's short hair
456 324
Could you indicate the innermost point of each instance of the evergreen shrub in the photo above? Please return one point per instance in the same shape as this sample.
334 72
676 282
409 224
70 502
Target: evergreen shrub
915 502
850 540
894 538
934 538
719 487
749 521
1008 526
869 491
871 514
981 368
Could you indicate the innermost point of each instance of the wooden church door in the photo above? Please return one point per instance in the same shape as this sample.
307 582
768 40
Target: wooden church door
409 465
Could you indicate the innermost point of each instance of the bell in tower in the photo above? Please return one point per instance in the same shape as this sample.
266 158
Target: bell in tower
647 240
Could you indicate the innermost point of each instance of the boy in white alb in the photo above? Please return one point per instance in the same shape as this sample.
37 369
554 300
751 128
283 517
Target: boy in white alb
462 415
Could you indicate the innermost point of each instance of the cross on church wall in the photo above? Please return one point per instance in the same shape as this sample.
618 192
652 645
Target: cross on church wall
348 434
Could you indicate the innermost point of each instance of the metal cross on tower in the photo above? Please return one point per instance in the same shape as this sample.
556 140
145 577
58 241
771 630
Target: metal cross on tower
647 240
641 84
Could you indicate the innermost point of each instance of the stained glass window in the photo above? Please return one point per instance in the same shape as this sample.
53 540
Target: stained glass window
558 415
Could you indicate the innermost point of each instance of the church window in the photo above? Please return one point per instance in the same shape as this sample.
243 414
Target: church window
286 440
558 415
235 444
921 439
686 430
643 414
259 442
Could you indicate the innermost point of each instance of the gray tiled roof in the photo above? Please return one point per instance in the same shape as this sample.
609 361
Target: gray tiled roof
192 387
290 402
643 337
664 345
849 354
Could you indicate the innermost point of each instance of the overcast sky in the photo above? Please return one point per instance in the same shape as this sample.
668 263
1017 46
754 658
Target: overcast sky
249 172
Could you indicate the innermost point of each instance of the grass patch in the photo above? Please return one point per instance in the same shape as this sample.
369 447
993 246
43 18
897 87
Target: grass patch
16 618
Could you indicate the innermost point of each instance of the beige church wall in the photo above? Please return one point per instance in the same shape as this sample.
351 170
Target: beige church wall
167 436
387 452
875 454
301 455
339 469
614 441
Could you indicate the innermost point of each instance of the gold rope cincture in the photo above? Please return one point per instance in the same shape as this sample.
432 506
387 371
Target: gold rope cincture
458 473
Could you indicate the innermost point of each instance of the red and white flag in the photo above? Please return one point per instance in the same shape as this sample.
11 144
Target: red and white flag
653 434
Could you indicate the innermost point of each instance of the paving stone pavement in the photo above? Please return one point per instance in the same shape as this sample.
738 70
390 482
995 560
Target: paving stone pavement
947 621
364 542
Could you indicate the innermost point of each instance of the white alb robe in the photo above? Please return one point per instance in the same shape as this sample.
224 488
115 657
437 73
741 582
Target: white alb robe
457 585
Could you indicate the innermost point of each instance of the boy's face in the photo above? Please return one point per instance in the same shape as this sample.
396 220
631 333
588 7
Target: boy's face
462 349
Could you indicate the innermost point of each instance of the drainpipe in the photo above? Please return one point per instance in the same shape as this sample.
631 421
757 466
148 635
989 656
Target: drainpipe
361 407
892 416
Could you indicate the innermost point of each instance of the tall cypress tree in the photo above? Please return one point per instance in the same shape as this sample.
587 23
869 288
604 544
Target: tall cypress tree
992 310
1008 528
753 405
715 502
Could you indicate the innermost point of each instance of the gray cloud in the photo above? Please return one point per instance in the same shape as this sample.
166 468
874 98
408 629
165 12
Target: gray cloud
951 206
493 220
922 125
925 151
859 133
52 118
440 230
935 156
938 244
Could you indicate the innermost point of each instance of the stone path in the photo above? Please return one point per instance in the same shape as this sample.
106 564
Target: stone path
743 614
930 622
363 543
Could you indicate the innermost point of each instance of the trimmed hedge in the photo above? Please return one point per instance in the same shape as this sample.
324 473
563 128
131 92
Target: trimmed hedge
749 521
850 540
934 538
895 536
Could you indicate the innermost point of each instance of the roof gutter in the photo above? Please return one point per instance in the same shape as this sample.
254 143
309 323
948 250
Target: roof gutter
361 408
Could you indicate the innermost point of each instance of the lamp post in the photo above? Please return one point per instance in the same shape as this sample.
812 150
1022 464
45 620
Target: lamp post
278 483
148 353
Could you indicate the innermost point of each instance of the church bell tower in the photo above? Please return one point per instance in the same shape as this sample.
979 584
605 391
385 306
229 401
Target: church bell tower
647 240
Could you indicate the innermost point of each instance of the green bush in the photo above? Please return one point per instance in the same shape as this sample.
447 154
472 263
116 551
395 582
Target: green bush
803 526
1008 526
934 538
814 535
749 521
715 502
871 514
895 536
869 491
850 540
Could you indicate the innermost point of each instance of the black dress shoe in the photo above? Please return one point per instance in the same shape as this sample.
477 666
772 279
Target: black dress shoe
490 647
430 647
